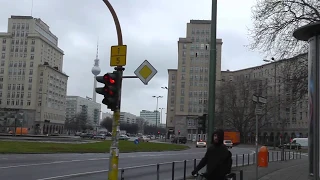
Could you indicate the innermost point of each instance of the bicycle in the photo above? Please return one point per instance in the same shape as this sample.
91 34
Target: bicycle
199 176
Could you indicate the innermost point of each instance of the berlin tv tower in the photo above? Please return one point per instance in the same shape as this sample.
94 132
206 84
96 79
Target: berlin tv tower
95 71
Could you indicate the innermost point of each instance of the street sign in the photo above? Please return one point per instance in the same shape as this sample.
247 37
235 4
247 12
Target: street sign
258 111
136 141
262 100
118 55
255 98
145 72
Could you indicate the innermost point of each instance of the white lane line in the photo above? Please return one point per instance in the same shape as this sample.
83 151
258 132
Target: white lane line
49 163
72 175
92 159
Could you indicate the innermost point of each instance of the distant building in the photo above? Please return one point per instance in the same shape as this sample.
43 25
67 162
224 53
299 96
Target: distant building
188 85
128 118
77 104
32 83
151 117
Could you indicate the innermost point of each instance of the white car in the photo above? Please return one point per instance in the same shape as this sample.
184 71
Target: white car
144 139
228 143
201 144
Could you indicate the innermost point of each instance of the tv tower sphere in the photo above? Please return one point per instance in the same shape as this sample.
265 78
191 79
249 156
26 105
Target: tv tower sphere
96 69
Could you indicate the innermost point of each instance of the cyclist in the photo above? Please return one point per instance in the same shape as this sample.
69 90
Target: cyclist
217 159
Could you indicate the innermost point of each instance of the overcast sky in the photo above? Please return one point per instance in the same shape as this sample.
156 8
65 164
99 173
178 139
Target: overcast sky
150 30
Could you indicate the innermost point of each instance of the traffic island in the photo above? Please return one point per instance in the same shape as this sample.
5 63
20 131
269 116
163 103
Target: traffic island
19 147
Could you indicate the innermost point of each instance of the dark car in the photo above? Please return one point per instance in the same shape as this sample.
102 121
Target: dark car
87 135
291 146
179 140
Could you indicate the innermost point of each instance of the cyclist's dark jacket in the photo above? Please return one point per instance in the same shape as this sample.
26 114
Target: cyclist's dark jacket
215 159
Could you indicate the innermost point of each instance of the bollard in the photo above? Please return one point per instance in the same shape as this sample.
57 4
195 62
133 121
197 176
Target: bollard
277 155
242 159
194 163
185 170
248 159
268 156
285 155
236 160
263 157
158 171
272 156
122 174
300 154
254 158
172 171
241 174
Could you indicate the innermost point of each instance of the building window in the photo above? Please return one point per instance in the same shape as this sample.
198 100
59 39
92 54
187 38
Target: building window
181 107
184 46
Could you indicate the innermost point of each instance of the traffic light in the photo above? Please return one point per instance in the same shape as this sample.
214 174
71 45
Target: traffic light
111 89
158 132
179 132
202 123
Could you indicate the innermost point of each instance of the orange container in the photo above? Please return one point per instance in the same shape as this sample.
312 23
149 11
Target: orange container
263 157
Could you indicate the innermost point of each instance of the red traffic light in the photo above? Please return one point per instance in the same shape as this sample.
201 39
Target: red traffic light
107 90
158 132
109 79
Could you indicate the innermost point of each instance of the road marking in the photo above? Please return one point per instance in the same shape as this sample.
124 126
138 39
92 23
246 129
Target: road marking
92 159
75 174
49 163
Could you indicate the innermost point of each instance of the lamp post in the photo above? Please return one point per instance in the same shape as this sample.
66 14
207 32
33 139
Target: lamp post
166 88
157 108
277 113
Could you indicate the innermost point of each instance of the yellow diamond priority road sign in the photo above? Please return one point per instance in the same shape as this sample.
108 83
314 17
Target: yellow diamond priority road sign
145 72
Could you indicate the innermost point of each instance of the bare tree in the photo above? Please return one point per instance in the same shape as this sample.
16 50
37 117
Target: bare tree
274 22
293 73
107 123
77 123
236 108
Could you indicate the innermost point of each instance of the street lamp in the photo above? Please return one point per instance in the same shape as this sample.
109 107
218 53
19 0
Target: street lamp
275 92
157 108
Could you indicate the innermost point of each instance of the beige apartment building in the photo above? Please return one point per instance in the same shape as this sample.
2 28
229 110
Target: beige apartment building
294 116
32 85
188 85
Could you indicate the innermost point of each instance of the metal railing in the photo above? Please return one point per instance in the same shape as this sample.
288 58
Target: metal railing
182 169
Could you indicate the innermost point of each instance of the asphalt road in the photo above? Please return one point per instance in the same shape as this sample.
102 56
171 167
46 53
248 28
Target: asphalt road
140 166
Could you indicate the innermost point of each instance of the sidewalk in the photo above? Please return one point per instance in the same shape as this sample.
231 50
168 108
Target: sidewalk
283 170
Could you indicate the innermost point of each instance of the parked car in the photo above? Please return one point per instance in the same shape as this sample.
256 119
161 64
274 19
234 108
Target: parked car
179 140
123 137
100 136
144 139
228 143
86 135
201 143
77 133
291 146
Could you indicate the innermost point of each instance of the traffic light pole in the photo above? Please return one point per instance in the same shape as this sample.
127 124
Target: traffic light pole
114 149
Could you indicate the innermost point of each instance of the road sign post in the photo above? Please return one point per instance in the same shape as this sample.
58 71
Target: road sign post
117 59
258 111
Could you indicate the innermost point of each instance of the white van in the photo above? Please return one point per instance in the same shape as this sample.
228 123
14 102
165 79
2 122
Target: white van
302 141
